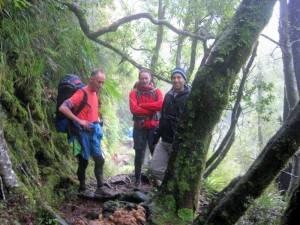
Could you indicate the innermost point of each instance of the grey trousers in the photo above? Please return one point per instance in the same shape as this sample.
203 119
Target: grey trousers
160 159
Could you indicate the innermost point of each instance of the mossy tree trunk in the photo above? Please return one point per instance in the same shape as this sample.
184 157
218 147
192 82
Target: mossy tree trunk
208 98
281 147
291 214
294 35
291 90
294 19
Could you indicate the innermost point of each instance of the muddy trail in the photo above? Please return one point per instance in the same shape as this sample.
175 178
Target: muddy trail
125 204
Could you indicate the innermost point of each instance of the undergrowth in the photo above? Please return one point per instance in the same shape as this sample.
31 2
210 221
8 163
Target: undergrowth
267 209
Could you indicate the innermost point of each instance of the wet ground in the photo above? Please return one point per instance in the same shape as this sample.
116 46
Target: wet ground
93 209
125 208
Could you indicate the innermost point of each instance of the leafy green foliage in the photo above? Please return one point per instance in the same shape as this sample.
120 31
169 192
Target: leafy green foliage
260 105
265 210
40 43
214 183
186 214
21 4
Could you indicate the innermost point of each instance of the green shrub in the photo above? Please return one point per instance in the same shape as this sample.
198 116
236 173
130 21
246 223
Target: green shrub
265 210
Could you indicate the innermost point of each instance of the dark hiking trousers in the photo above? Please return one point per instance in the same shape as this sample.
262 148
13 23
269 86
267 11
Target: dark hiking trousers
141 136
98 170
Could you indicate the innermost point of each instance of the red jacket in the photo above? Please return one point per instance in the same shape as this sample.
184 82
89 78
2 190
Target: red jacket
144 105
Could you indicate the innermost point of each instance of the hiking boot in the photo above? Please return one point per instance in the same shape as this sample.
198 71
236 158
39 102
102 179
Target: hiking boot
104 192
84 191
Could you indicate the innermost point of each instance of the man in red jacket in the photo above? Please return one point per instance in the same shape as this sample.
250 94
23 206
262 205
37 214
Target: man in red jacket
145 103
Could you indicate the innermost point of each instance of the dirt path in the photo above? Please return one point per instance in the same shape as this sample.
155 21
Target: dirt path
90 209
87 209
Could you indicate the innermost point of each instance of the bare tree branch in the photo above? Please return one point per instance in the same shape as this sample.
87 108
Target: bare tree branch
126 58
114 26
270 39
94 36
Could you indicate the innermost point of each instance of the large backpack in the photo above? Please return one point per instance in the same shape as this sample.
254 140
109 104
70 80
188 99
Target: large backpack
68 85
151 93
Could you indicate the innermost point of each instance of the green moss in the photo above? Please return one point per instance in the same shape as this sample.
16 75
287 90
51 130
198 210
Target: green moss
170 185
183 186
35 54
186 214
164 211
52 182
11 102
170 203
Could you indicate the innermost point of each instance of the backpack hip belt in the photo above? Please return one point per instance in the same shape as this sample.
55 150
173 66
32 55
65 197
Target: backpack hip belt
142 118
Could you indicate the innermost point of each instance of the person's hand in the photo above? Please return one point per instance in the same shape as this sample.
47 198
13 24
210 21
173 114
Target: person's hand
85 124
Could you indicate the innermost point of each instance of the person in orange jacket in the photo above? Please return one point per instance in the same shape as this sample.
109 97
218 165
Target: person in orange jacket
145 103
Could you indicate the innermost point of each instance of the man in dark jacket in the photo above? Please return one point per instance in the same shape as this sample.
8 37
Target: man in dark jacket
172 108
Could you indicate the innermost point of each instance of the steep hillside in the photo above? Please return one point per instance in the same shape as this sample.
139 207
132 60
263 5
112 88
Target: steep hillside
40 43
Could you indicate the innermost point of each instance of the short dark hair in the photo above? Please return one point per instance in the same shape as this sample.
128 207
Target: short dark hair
96 71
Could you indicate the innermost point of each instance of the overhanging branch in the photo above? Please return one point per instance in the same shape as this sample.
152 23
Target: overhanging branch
94 36
114 26
125 57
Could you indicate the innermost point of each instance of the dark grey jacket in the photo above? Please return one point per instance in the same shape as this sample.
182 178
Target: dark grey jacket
171 112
